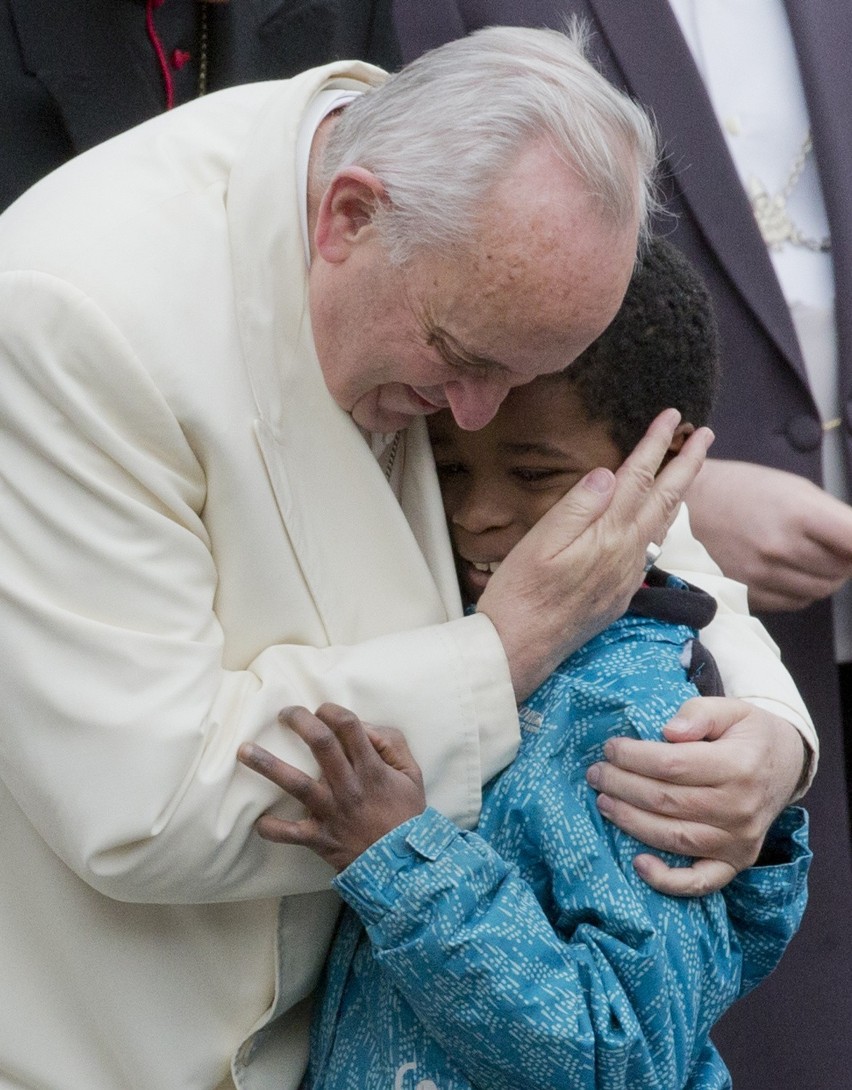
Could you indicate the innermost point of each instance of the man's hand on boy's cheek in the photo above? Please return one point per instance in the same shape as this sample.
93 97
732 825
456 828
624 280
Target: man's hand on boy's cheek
577 569
712 796
369 783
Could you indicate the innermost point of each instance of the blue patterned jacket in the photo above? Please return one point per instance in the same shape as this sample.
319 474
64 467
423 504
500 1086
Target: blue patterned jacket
529 955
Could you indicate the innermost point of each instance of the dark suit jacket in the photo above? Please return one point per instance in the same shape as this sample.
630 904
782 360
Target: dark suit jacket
793 1034
76 72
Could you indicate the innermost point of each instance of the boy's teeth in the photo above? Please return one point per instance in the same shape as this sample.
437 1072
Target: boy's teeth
491 567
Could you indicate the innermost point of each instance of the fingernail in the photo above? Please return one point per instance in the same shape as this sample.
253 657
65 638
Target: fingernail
253 755
678 726
640 865
604 804
600 480
593 775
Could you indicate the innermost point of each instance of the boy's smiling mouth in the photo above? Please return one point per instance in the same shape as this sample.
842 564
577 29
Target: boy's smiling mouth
474 575
489 566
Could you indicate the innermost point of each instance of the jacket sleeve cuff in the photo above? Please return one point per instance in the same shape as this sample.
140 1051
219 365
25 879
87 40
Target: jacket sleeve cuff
401 875
780 875
484 665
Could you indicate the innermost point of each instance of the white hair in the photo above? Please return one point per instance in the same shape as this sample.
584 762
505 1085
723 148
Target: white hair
443 130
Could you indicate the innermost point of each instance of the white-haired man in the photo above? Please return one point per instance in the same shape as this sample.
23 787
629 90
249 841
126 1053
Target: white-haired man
219 334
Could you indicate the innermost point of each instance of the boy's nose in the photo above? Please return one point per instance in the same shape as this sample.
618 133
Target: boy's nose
481 509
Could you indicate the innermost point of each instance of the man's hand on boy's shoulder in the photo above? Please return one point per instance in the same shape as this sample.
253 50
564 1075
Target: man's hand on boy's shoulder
712 796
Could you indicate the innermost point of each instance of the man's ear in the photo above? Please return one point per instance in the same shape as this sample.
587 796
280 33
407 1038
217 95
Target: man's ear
683 432
346 212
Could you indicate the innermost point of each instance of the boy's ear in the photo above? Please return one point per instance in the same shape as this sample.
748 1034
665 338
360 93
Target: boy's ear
683 432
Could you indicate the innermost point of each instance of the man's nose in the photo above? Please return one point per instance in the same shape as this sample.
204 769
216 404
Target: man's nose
473 402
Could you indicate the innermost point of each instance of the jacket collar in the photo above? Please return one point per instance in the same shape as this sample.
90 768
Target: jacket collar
322 470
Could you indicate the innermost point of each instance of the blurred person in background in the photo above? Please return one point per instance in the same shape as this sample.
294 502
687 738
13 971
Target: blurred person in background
75 73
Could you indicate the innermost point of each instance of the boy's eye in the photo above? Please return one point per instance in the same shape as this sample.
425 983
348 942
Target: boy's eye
449 469
537 476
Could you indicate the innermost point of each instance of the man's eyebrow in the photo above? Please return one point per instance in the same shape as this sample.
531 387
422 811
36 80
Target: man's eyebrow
439 337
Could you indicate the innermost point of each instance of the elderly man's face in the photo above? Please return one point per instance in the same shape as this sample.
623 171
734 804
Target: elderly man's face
545 278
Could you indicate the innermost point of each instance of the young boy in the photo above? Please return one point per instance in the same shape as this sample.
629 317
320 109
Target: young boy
530 954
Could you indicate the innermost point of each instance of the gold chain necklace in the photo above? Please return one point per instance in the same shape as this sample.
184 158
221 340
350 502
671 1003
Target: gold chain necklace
773 219
202 49
391 455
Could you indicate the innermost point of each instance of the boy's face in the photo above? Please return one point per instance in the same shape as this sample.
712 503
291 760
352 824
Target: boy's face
497 482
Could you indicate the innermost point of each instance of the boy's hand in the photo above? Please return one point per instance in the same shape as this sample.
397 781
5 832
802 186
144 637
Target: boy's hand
712 796
369 783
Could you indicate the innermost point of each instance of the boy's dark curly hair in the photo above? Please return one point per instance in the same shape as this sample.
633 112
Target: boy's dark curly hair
661 350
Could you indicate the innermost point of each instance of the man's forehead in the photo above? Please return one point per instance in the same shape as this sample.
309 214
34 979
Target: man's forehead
525 317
